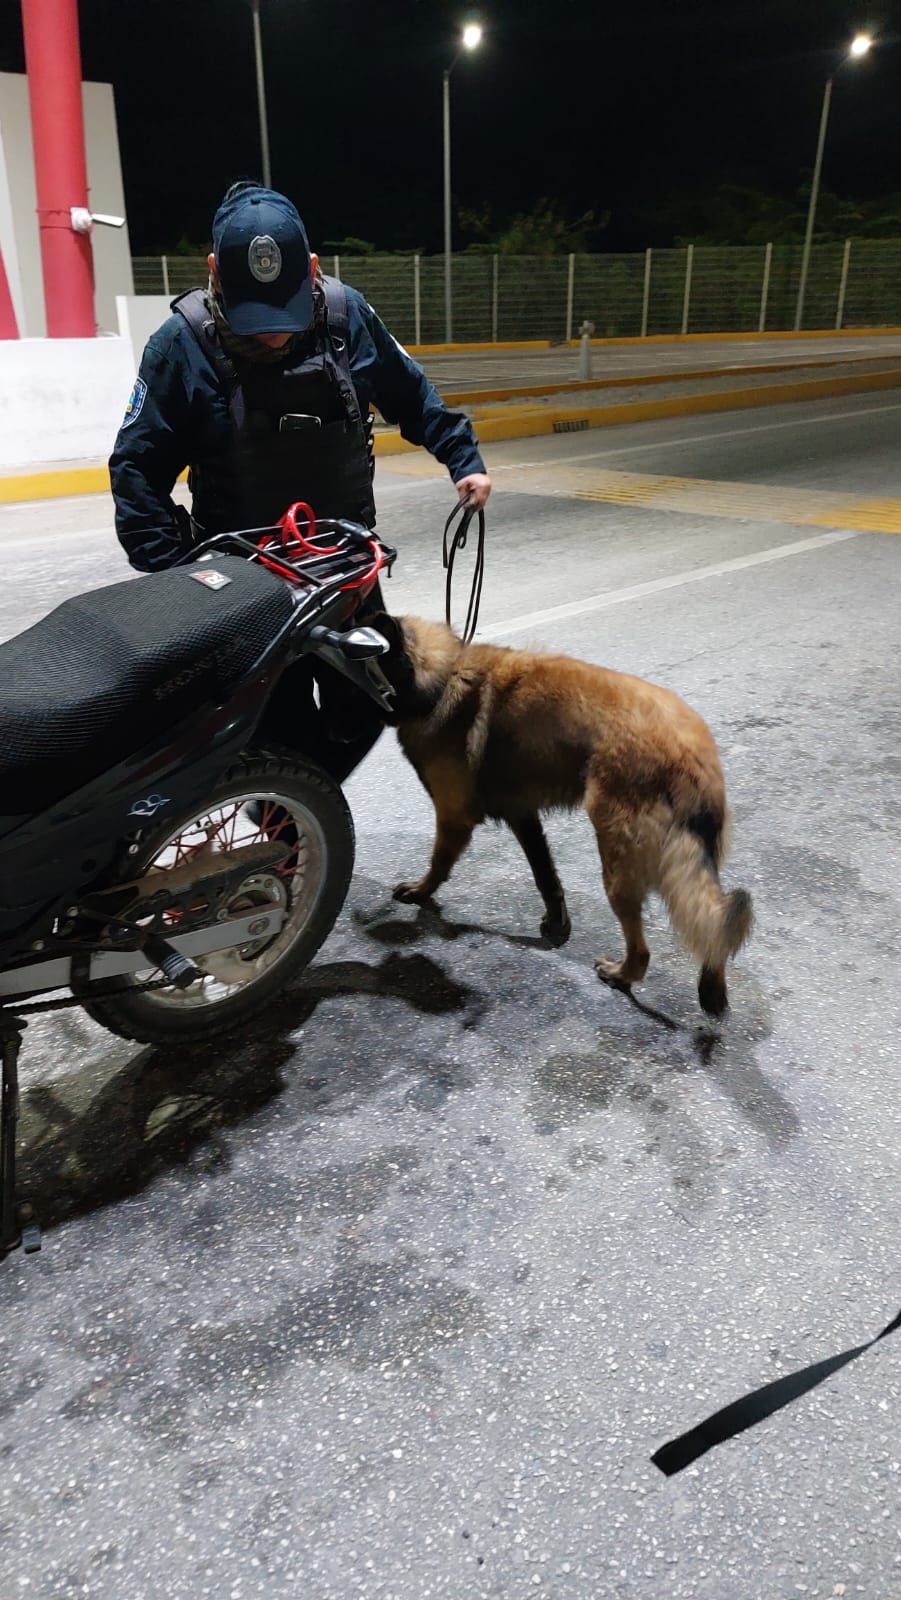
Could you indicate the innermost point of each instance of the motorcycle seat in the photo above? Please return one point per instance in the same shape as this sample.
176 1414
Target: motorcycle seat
107 672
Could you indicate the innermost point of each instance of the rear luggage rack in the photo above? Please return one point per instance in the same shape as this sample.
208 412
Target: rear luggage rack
316 556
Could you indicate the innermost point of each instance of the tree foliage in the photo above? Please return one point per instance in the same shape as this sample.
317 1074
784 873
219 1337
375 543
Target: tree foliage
737 214
544 231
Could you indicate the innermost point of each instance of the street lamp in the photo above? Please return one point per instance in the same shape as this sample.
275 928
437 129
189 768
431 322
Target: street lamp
261 93
470 39
858 48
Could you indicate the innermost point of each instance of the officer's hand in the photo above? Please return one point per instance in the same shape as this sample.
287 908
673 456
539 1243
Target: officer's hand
475 489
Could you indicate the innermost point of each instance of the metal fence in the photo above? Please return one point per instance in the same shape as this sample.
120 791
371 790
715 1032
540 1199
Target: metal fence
699 289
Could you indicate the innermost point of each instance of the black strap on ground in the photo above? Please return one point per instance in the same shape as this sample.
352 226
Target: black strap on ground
755 1407
465 514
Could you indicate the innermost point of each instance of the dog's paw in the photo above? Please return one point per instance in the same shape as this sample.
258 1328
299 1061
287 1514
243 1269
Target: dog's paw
611 973
712 992
412 894
556 932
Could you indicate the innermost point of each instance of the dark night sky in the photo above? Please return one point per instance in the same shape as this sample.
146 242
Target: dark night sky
613 106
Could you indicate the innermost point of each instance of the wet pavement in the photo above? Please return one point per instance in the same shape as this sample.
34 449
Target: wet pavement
397 1296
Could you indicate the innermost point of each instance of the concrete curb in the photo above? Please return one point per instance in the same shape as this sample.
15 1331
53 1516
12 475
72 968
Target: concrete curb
524 422
54 484
477 348
518 422
741 338
480 346
473 397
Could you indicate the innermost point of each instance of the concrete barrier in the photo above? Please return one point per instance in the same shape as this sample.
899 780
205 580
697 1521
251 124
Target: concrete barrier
139 316
61 399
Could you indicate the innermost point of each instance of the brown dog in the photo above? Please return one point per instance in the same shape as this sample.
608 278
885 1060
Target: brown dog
506 734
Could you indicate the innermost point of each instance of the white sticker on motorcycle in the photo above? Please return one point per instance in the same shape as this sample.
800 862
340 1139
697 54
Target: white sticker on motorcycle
213 580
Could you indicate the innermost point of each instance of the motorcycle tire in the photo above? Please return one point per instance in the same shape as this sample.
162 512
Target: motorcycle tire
307 808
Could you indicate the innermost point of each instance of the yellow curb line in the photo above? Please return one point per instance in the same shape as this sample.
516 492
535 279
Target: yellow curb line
477 347
515 422
742 338
472 397
54 485
524 422
647 338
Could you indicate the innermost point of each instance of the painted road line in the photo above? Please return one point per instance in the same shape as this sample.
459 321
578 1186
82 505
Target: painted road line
754 502
707 497
521 422
530 421
423 466
640 591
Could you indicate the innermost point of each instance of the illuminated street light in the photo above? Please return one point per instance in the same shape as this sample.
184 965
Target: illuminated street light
858 48
470 39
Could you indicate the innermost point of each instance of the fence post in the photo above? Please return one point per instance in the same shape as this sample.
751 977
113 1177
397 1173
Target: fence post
417 299
843 284
570 290
336 266
765 287
164 261
686 299
495 275
586 331
646 295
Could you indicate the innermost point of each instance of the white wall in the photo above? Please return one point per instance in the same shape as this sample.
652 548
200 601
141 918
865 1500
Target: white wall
18 222
138 316
19 236
61 399
112 246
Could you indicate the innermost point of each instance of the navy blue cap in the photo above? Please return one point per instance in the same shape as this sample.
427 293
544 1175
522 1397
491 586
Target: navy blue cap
263 259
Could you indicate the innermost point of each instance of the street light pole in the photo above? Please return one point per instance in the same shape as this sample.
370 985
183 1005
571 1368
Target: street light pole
812 208
471 38
858 48
448 288
261 94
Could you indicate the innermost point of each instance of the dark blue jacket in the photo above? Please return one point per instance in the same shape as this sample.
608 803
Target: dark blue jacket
178 414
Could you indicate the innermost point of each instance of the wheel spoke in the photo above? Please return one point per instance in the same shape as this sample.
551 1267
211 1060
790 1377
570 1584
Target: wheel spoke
227 830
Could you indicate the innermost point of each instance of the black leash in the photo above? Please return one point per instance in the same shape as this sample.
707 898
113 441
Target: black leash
465 512
756 1407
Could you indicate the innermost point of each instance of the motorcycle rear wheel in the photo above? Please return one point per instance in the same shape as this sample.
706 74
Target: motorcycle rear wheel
258 798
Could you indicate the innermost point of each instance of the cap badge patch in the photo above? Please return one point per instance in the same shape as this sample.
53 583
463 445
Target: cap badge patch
264 258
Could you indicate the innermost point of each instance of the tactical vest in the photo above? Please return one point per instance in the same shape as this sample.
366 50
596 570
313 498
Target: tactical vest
298 433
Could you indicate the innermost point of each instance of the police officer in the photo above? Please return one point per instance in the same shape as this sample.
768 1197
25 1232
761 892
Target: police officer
261 385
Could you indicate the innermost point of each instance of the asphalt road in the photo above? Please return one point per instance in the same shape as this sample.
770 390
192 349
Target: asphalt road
490 369
397 1297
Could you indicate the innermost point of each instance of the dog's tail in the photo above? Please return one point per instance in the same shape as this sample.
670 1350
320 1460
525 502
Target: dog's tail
712 925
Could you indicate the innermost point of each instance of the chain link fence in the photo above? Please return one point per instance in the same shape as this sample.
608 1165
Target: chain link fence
699 289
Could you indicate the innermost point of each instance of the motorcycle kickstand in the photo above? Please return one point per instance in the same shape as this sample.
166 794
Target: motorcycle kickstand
17 1225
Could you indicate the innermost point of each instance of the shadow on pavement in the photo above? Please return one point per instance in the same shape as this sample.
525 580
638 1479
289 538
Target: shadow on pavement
86 1146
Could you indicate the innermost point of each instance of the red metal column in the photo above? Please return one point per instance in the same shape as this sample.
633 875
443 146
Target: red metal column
8 327
53 63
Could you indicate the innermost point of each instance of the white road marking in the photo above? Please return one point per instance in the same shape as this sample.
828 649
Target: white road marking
695 438
638 591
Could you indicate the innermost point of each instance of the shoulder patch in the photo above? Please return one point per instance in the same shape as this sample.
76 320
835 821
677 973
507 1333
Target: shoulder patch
135 402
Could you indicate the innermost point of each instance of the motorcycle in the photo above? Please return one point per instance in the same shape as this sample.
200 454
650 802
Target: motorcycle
161 859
